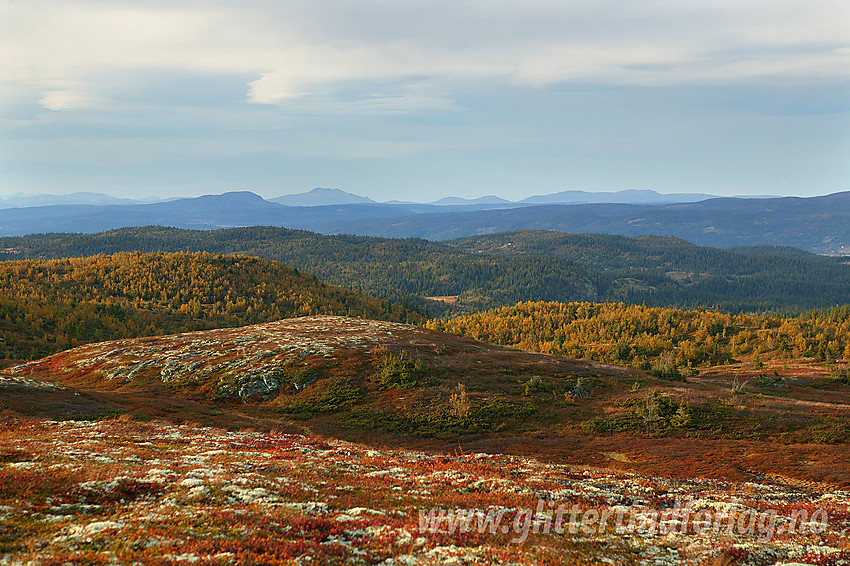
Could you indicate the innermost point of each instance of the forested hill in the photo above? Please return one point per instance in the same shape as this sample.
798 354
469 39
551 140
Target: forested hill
402 271
608 251
663 339
489 271
665 271
51 305
820 224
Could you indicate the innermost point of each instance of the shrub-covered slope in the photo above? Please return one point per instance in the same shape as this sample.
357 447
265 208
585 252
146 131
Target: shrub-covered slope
387 383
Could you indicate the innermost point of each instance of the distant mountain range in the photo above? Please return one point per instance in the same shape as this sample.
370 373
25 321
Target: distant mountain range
629 196
325 196
816 224
320 196
489 199
21 200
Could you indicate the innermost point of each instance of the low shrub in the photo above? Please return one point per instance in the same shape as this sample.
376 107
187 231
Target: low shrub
657 414
491 415
330 396
394 371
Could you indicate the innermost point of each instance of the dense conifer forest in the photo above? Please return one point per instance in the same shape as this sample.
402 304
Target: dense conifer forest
488 271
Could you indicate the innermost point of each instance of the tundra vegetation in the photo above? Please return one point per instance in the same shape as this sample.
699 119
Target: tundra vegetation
119 491
386 382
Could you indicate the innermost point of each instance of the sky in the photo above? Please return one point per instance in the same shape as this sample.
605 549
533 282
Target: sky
417 100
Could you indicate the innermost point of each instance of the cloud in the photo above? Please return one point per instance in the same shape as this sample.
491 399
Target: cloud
68 100
303 48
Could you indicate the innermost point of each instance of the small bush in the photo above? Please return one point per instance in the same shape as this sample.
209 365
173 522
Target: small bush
459 405
578 391
774 380
656 414
829 433
738 386
440 423
326 399
300 378
840 375
665 367
395 371
532 385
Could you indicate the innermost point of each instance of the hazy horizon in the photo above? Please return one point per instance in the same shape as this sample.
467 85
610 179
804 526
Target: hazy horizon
270 195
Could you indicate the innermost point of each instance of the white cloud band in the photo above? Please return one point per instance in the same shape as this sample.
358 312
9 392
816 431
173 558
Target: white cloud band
301 47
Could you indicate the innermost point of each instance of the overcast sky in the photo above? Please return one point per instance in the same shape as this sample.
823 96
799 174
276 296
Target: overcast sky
415 100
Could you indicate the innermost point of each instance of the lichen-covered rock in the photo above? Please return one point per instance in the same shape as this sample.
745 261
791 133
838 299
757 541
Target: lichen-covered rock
264 387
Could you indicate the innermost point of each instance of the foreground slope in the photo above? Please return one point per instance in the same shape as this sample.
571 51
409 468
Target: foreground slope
332 373
123 492
392 384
